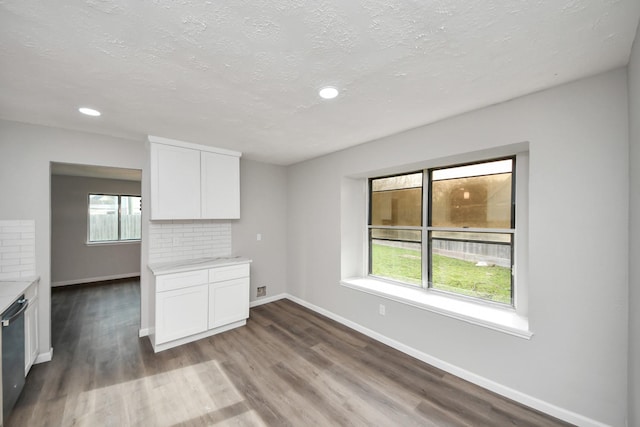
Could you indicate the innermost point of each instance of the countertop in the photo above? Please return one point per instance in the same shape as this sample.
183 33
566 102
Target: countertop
195 264
10 290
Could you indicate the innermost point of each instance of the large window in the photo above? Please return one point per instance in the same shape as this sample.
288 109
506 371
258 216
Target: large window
448 229
114 218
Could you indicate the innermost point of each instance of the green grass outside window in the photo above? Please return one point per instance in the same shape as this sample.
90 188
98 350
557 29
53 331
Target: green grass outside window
492 283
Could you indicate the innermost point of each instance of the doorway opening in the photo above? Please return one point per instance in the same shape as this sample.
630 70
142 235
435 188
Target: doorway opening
95 229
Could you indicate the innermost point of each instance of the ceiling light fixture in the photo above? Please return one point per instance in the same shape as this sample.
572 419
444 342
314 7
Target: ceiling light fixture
328 92
89 111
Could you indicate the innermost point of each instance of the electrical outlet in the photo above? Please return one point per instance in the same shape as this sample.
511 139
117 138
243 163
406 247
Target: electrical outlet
262 291
382 310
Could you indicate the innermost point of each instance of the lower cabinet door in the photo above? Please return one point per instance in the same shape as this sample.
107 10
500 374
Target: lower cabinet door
181 312
31 335
228 302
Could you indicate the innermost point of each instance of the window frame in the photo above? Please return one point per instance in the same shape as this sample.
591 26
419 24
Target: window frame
371 227
512 321
426 231
119 239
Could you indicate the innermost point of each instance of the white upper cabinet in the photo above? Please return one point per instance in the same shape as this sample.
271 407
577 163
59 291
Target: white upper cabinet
220 182
175 182
190 181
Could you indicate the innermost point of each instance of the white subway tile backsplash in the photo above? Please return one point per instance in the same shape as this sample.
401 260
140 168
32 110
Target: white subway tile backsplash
16 268
17 248
9 236
180 240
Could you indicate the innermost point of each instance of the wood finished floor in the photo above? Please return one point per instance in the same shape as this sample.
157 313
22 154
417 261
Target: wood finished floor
288 367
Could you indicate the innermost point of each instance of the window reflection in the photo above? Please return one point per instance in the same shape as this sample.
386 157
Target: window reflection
472 201
397 200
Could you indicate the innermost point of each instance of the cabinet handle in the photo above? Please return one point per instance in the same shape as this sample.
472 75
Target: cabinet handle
25 304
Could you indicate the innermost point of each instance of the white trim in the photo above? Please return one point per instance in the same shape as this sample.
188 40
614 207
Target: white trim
486 383
183 144
512 322
44 357
94 279
113 242
175 343
144 332
267 300
490 316
463 230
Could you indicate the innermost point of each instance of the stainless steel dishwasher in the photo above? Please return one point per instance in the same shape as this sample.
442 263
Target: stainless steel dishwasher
12 355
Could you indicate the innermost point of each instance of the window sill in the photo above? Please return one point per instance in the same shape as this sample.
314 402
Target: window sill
496 318
112 242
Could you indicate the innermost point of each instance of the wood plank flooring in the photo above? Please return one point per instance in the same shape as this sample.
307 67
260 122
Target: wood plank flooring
288 367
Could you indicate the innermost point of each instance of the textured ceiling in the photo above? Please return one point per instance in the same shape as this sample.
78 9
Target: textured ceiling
244 75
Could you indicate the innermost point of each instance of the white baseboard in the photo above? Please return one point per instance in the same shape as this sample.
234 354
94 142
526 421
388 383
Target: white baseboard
44 357
171 344
94 279
143 332
266 300
486 383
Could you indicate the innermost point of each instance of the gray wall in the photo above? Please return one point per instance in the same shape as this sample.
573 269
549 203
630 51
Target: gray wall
263 210
26 154
578 192
634 254
579 185
72 260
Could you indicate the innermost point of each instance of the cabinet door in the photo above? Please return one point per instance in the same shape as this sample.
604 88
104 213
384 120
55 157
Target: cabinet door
30 335
220 186
180 313
228 302
175 182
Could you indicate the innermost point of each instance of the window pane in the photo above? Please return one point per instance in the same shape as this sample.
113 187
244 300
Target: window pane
481 201
476 169
103 217
397 200
130 215
397 255
472 264
472 236
396 234
399 182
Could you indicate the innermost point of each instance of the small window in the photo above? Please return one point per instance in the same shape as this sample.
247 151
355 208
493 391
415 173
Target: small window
463 244
114 217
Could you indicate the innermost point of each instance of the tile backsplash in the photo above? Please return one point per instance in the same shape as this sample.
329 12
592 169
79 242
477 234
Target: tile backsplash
17 249
181 240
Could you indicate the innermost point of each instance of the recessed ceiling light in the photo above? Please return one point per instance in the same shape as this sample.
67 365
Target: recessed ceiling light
328 92
89 111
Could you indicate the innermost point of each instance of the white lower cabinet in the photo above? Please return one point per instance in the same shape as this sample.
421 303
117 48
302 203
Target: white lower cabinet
181 312
228 302
195 304
31 328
